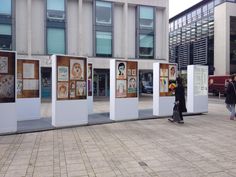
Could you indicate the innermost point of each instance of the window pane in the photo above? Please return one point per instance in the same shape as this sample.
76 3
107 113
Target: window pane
5 29
146 46
56 5
103 13
103 43
5 7
56 41
146 17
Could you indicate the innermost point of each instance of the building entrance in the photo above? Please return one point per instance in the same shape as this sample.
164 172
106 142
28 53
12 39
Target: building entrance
101 82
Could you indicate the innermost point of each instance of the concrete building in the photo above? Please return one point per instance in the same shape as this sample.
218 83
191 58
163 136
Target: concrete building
99 30
205 34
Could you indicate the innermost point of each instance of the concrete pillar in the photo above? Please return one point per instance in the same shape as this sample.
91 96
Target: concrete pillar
80 28
125 30
29 30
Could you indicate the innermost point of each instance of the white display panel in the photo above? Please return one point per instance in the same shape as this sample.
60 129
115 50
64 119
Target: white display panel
121 108
32 105
66 112
197 95
8 117
162 105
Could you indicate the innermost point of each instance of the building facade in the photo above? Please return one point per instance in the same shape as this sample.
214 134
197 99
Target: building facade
205 34
99 30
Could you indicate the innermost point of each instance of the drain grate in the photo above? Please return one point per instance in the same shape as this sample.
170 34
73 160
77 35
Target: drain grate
142 164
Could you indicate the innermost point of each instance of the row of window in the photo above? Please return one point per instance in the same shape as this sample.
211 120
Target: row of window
103 28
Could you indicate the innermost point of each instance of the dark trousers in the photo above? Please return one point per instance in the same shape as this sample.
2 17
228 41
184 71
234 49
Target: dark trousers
181 115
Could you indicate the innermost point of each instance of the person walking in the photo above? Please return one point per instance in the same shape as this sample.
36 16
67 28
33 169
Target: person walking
180 100
230 99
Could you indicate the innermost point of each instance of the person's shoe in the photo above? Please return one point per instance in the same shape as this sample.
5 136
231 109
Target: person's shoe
171 120
181 122
231 118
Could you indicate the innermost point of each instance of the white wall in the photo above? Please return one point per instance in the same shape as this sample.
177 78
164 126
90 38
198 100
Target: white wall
87 29
222 37
118 30
72 26
21 26
38 27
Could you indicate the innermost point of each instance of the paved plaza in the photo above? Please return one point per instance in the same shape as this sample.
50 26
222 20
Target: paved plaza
204 146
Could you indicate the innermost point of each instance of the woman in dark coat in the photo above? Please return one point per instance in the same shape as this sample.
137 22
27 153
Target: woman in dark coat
230 99
180 99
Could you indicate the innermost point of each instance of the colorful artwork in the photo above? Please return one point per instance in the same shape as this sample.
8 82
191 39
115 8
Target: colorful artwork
132 84
19 87
172 72
62 90
172 86
80 88
28 71
3 65
121 88
163 84
63 73
7 89
76 69
72 89
121 70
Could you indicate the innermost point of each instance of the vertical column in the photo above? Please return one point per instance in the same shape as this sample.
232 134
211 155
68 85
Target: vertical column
125 29
80 28
29 31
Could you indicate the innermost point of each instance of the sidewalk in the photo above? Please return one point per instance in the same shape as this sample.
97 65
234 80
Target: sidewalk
204 146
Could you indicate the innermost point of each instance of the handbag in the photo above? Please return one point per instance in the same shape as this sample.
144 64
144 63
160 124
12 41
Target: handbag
176 116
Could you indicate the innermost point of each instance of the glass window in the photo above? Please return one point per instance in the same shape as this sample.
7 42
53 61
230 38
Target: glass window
5 29
146 17
56 41
103 43
5 7
146 46
56 5
103 13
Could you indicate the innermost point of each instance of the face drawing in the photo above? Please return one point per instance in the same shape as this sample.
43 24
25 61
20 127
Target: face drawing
121 69
77 70
62 91
121 88
132 83
172 71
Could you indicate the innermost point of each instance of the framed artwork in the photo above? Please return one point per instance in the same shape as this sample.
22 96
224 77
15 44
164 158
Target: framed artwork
62 90
19 87
172 72
171 87
4 65
80 88
134 73
90 70
163 84
7 86
28 70
121 88
72 89
27 78
63 73
132 84
164 72
77 69
121 68
129 72
90 88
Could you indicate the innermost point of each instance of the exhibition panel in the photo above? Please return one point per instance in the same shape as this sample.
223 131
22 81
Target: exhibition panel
90 88
28 89
8 121
69 90
123 90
